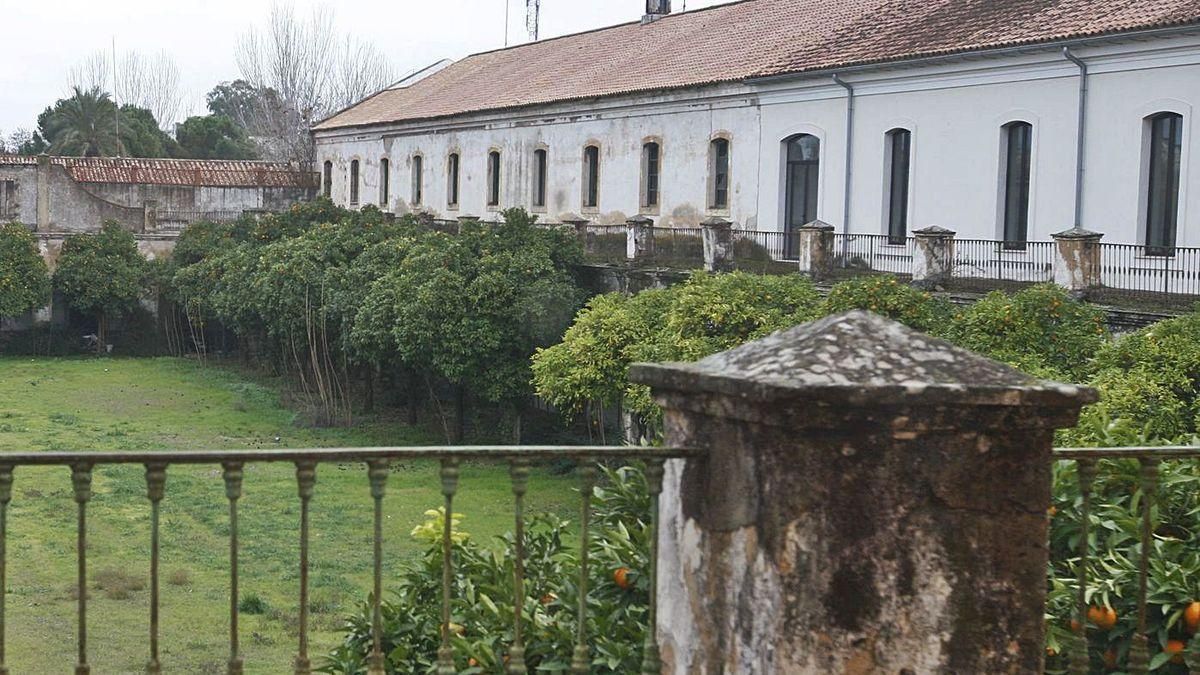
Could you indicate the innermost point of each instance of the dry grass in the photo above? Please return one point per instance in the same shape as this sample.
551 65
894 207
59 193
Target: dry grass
117 584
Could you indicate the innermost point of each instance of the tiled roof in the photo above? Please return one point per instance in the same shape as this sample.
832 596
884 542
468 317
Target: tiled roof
196 172
748 39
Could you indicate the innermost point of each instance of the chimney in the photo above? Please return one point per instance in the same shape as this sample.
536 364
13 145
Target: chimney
655 10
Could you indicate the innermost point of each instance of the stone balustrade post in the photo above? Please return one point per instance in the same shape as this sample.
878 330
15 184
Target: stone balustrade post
933 259
639 238
816 250
1077 260
718 244
872 500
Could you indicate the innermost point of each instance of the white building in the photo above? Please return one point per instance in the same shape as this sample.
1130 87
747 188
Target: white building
966 114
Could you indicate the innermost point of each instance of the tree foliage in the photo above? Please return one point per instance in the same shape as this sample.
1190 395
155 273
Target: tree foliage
24 279
89 124
213 137
101 274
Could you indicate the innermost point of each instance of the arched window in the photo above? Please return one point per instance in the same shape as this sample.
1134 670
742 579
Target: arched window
1018 164
385 182
418 179
354 183
327 180
1165 156
591 177
493 175
651 170
898 153
718 172
802 180
539 178
452 181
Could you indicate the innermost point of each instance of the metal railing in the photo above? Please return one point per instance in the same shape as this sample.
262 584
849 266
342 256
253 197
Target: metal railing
1002 262
1149 461
763 244
679 246
1140 269
874 253
178 219
606 243
377 462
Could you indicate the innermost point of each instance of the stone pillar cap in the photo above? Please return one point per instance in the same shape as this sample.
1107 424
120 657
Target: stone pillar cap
715 221
934 231
863 360
818 225
639 220
468 217
1077 232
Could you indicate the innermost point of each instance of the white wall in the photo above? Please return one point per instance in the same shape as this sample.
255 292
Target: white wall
955 110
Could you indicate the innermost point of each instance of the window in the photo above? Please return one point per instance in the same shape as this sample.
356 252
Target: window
591 177
418 179
385 179
898 156
327 179
718 160
651 165
539 178
1018 162
354 183
802 180
1162 183
493 172
452 180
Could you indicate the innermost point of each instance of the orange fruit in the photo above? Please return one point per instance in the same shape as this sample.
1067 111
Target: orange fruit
1191 617
472 662
1175 647
621 577
548 598
1104 617
1052 511
1110 659
1074 625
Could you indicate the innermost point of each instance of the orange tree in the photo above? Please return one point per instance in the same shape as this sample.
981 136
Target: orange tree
24 279
101 274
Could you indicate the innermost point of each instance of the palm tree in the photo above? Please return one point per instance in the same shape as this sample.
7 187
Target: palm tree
87 125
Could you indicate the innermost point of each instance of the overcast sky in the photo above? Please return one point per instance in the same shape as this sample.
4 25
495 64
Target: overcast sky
43 39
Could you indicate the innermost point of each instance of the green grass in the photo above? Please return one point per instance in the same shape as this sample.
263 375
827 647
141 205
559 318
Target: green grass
172 404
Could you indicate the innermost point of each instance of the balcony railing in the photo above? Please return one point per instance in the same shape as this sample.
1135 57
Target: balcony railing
1007 262
1141 270
377 462
874 253
1149 461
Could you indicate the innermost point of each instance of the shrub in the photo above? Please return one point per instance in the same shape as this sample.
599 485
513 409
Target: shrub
483 606
886 295
1039 329
24 279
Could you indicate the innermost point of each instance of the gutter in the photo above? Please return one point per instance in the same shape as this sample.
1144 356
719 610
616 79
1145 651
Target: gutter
1080 140
849 177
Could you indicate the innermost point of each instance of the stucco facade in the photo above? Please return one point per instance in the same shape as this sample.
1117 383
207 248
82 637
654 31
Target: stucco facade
954 107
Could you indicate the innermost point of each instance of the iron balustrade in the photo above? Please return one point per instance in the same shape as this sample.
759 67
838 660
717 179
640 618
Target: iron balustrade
606 243
377 461
874 253
775 245
1137 269
1012 262
1149 460
679 246
181 218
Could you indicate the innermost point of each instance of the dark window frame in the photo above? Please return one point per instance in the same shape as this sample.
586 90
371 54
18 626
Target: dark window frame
651 174
1163 172
541 166
720 159
385 181
591 176
493 174
1017 185
899 146
452 163
354 177
418 180
327 177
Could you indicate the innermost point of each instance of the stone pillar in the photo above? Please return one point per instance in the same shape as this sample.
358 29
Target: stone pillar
639 238
1077 260
933 259
815 249
150 215
873 500
718 245
43 193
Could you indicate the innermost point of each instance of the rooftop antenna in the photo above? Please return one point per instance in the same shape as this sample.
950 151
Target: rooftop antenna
533 11
506 22
116 103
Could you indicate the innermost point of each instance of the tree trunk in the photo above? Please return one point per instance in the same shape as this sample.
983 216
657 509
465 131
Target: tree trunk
517 417
101 334
369 403
460 412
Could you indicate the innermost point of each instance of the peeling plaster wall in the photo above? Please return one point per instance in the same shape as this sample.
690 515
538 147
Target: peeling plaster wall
682 125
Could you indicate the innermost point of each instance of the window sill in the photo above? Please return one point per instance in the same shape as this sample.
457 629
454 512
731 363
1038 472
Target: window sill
493 208
590 210
452 207
649 211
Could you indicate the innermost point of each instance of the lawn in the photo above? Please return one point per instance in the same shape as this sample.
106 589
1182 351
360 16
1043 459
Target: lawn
173 404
